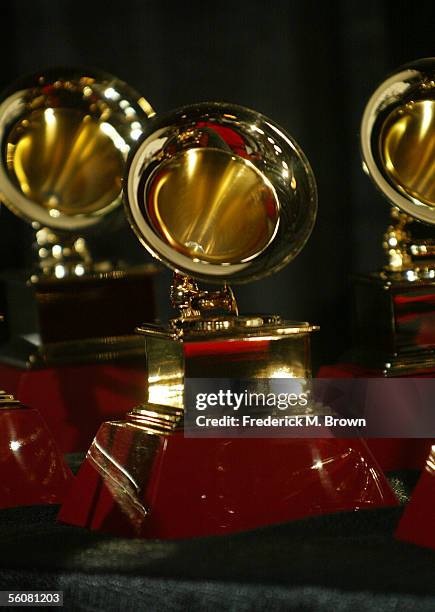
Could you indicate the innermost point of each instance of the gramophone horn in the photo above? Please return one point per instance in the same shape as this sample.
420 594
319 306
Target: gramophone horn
398 139
65 137
221 193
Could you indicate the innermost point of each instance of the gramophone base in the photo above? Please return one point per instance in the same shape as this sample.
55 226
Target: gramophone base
138 484
394 324
75 319
392 365
32 470
29 353
74 400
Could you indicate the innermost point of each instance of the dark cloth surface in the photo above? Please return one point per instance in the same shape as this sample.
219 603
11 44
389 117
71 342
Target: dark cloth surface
347 561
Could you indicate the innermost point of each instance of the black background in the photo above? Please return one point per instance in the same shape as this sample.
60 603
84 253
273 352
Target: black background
309 65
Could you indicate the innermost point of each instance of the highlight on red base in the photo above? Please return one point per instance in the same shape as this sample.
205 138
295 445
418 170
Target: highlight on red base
32 470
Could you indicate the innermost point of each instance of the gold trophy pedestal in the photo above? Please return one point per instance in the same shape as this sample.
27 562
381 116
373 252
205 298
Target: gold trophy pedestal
83 319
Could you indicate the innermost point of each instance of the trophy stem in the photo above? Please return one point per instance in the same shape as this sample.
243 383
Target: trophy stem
396 242
408 257
193 302
60 255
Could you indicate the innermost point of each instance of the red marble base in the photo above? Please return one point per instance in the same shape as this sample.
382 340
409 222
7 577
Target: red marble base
32 470
417 524
137 484
75 400
391 453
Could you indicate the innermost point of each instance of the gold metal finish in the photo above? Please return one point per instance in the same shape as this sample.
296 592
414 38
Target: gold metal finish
8 401
65 137
407 148
156 419
235 347
396 241
226 212
220 193
64 161
408 258
192 302
398 149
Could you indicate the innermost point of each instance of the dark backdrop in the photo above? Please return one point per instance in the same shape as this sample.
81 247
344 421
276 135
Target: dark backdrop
310 65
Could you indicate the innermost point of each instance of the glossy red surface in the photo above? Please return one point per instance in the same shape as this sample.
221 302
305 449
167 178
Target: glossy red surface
75 400
417 524
415 317
32 471
391 453
195 487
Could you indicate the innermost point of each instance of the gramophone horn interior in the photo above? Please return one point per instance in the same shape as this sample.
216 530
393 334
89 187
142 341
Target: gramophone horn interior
225 210
407 149
63 159
65 137
220 193
398 139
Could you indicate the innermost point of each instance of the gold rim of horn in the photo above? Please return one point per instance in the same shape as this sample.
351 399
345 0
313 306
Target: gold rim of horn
220 192
398 139
66 134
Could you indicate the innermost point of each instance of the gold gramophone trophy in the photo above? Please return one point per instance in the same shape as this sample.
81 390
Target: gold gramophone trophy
65 136
220 194
395 318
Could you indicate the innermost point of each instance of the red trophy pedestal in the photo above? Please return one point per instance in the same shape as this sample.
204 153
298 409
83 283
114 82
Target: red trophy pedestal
135 483
417 524
391 453
75 400
32 469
